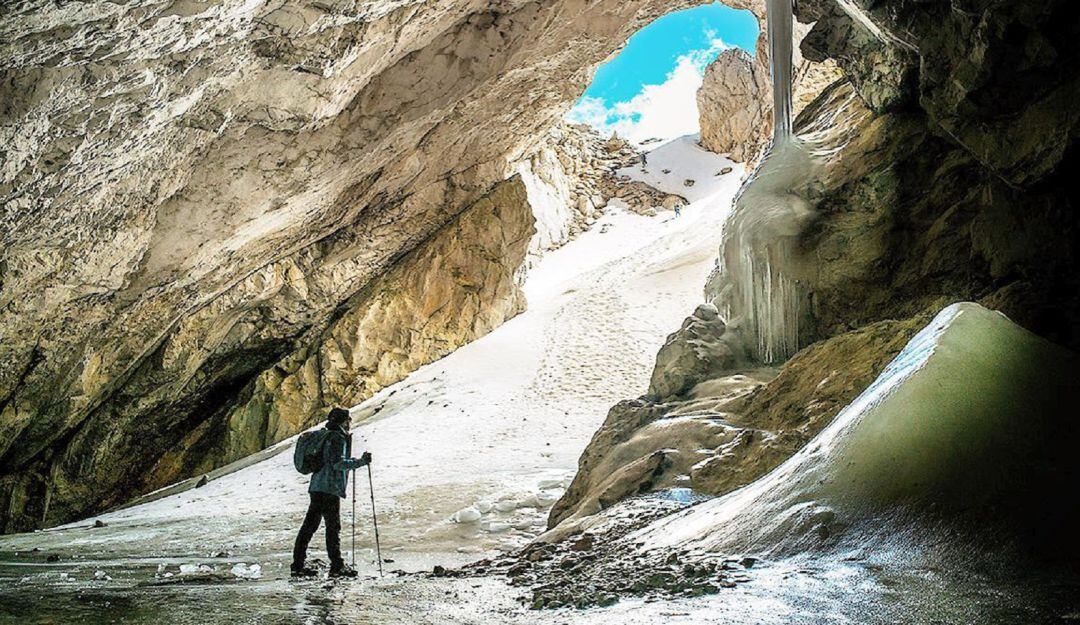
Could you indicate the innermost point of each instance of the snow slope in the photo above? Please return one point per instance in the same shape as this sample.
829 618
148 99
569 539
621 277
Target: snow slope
494 429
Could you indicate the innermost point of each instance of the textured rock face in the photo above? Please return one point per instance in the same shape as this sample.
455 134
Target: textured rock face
733 105
941 173
570 179
193 192
693 353
996 77
450 290
735 97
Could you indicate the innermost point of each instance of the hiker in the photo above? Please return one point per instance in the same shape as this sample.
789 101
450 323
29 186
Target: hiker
644 160
333 447
678 210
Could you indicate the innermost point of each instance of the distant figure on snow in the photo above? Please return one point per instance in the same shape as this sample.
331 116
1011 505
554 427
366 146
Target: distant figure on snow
644 160
326 454
678 210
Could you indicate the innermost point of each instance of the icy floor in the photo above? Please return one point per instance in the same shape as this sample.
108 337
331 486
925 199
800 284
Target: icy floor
785 593
495 427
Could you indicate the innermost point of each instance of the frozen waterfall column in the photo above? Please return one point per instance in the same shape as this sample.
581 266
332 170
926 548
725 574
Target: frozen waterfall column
779 16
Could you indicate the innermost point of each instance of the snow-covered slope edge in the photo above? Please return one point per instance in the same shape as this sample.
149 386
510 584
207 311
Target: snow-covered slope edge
966 431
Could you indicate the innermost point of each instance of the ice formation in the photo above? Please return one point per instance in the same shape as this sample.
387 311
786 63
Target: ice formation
966 431
757 295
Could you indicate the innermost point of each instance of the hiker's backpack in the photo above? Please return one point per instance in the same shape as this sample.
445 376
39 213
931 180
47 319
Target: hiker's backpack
307 454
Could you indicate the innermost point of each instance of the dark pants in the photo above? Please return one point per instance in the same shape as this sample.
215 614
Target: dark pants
323 507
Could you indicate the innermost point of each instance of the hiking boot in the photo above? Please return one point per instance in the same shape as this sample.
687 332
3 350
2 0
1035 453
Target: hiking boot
342 571
304 571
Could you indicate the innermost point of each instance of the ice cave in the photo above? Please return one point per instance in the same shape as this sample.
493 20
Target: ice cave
539 312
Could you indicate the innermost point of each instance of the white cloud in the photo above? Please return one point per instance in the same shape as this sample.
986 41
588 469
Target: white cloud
663 111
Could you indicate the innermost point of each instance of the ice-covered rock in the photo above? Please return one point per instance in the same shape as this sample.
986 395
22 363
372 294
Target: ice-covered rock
546 498
495 526
506 505
970 428
466 515
243 571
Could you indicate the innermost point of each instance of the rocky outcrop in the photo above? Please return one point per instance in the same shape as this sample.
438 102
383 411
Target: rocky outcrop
450 290
193 191
692 354
937 172
727 430
735 98
571 177
734 106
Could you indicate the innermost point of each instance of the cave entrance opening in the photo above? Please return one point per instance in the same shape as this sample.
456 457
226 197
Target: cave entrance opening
647 92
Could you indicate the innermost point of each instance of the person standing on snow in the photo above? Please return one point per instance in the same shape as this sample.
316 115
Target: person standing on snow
326 490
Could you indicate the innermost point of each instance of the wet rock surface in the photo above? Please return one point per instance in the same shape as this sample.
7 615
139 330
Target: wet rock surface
603 564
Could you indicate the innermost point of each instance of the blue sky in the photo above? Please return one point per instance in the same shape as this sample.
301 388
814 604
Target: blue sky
648 89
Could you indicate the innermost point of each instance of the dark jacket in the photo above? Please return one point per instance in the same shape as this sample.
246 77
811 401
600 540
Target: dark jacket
333 477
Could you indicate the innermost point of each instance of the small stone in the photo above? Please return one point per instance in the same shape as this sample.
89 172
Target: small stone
100 523
748 562
438 570
536 555
660 580
518 569
689 182
52 557
203 481
585 543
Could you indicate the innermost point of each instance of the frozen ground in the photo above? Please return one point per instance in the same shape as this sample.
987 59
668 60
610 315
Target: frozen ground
495 428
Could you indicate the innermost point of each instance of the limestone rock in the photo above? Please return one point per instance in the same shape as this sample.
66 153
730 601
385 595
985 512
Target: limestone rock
452 289
734 107
694 353
735 97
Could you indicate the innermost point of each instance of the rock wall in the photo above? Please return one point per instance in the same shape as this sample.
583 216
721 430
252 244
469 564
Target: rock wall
939 171
570 179
450 290
734 106
191 192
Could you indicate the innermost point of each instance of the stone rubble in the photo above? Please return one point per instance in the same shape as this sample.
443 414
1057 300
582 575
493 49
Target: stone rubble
601 565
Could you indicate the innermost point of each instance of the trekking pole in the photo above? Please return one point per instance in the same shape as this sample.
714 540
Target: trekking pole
374 519
354 521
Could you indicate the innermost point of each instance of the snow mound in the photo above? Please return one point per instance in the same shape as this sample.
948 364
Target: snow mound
967 437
